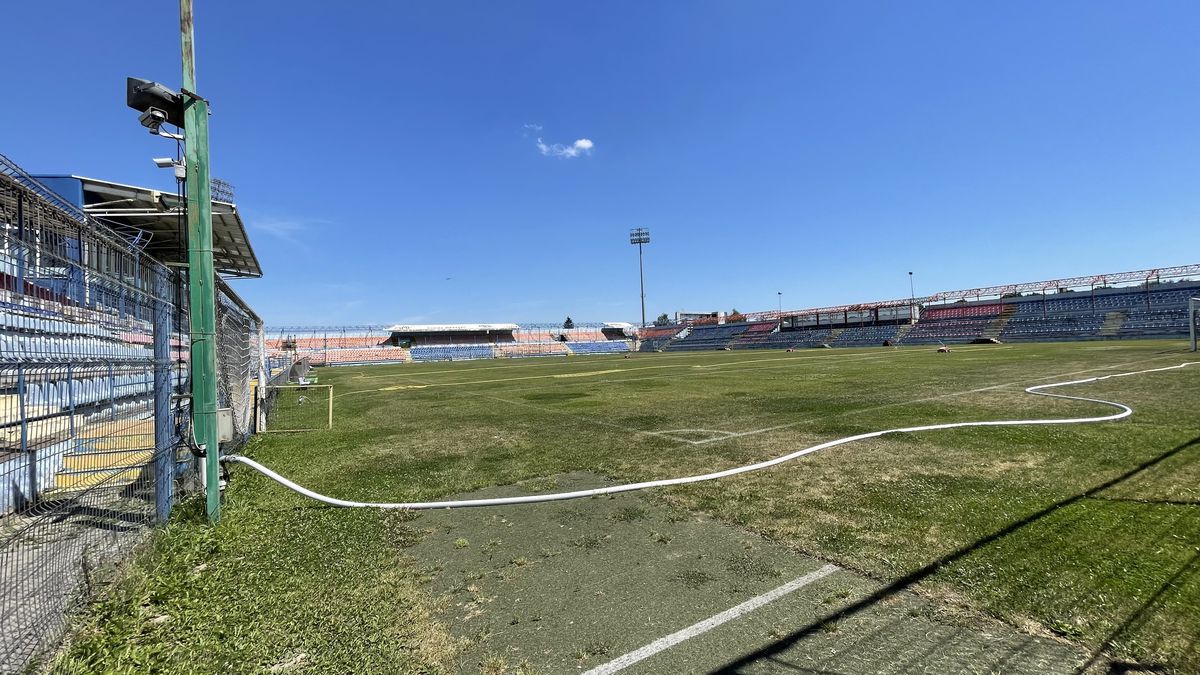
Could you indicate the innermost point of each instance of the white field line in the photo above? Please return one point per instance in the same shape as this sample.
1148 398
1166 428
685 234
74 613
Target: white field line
884 406
728 435
664 643
1125 411
875 352
754 432
583 418
667 434
789 360
672 434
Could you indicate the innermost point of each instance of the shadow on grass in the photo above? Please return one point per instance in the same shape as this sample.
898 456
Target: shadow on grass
770 653
1192 565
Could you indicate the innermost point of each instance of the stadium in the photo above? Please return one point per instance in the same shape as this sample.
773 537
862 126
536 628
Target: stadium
240 441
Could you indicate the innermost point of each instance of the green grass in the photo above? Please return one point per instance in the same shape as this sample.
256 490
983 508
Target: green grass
1090 532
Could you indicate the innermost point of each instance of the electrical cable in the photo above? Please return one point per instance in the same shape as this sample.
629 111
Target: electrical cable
1125 411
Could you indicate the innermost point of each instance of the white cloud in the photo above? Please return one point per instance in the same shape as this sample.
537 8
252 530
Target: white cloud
533 127
582 146
288 230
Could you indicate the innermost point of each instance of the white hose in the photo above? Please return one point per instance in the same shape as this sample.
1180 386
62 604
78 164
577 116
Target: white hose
1125 411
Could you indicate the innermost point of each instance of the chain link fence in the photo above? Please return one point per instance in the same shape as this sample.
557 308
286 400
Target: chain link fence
94 412
238 360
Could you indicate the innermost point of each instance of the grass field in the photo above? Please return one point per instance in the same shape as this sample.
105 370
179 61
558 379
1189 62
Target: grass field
1078 545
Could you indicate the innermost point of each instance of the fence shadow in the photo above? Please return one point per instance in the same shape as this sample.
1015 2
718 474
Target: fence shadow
771 652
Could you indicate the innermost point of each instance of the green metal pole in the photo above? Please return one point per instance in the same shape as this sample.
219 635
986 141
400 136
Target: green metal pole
200 270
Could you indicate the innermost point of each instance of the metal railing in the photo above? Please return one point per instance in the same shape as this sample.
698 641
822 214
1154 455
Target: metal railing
94 412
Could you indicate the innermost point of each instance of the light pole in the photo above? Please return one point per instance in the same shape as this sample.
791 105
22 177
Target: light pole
640 236
780 317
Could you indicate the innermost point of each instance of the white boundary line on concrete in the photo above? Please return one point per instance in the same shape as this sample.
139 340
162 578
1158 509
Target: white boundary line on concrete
664 643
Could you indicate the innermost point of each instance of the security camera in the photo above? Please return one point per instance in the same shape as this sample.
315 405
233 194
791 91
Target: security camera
152 119
168 163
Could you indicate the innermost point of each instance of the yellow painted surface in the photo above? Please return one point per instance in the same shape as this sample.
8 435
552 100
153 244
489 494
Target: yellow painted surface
82 481
107 460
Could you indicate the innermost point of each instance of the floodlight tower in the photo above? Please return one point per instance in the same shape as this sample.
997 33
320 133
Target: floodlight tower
640 236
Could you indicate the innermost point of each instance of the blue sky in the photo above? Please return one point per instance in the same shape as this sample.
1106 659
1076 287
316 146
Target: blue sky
387 162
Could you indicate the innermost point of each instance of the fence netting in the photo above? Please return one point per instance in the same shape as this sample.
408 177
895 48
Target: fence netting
237 360
94 412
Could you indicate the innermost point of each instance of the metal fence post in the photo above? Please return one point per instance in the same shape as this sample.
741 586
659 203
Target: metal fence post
264 375
30 456
164 428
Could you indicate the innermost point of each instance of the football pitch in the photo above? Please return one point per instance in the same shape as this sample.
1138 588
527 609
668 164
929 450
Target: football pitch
1060 548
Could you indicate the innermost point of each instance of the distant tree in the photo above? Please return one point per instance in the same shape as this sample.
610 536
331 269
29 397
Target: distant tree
663 320
735 316
568 324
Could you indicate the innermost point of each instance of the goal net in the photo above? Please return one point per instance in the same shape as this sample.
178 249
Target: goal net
298 407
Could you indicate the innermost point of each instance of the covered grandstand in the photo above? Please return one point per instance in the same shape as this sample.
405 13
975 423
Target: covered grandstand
400 343
1139 304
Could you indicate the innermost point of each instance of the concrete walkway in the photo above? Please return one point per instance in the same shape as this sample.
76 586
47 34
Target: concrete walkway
626 584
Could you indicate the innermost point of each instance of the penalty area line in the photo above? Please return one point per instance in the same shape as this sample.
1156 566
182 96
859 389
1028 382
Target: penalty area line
664 643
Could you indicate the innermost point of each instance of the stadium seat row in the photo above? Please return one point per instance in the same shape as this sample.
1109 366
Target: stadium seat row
62 394
52 349
599 347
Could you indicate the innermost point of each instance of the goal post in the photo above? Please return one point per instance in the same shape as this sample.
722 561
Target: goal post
294 408
1193 320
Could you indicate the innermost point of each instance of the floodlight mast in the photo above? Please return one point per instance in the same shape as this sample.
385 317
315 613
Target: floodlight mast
640 236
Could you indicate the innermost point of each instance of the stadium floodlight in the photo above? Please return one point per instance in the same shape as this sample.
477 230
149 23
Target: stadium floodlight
639 236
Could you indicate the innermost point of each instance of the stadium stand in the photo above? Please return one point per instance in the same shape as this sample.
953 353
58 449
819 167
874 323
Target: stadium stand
701 338
654 339
598 347
348 356
947 330
523 349
1148 310
961 311
1052 328
755 334
787 339
865 336
450 352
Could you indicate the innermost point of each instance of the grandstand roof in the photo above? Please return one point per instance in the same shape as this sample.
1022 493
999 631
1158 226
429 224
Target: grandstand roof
1093 281
452 327
157 213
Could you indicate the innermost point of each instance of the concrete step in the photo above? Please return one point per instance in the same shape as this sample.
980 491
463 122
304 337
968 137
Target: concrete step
1113 321
997 325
